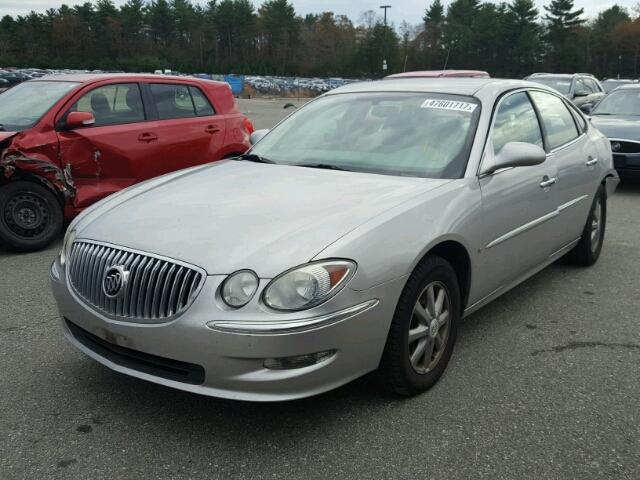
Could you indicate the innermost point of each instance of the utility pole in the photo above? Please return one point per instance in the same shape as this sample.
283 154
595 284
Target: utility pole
385 8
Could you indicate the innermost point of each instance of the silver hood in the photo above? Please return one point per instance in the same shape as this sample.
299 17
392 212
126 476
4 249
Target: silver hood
232 215
620 127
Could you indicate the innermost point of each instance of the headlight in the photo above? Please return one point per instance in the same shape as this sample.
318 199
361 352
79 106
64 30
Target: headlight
309 285
239 288
65 253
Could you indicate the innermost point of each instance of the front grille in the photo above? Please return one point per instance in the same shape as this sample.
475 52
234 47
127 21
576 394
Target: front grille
156 290
143 362
625 147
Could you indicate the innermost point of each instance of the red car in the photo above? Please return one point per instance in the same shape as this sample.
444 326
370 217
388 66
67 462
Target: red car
67 141
442 73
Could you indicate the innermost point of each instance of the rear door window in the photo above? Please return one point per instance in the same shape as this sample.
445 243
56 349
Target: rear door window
172 101
516 121
201 102
558 121
113 104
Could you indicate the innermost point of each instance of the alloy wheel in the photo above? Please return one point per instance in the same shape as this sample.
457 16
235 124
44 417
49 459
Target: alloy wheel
429 328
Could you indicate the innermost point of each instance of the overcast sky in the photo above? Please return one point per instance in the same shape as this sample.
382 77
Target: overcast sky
409 10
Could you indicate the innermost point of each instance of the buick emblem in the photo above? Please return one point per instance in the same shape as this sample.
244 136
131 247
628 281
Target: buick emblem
615 146
114 281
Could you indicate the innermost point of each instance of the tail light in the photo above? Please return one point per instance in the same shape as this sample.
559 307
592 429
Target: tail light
248 126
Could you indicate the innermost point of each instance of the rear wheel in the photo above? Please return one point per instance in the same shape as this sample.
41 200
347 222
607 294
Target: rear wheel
588 249
423 330
30 216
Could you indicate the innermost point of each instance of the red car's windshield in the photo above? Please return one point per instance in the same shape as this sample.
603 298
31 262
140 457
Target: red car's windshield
23 105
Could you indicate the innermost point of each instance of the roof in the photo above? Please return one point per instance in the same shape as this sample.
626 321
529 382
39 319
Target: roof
454 86
96 77
441 73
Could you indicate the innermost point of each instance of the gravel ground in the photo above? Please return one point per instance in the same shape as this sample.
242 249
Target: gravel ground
543 384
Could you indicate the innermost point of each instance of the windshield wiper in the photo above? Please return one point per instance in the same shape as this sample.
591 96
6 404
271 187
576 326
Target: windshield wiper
252 157
323 166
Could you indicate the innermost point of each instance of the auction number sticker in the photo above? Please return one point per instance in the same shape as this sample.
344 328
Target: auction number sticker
450 105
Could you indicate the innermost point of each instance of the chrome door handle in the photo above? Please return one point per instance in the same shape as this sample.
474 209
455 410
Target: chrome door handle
591 162
548 182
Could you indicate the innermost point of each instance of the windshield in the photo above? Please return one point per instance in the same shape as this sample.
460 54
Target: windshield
562 85
620 102
23 105
408 134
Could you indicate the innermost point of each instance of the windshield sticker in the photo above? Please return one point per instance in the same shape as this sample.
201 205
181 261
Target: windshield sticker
450 105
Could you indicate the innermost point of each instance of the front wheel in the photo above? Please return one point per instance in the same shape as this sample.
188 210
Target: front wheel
588 249
30 216
423 330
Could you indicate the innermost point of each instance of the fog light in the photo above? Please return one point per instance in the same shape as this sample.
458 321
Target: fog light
298 361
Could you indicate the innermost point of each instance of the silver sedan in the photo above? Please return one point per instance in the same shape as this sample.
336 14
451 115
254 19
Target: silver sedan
351 238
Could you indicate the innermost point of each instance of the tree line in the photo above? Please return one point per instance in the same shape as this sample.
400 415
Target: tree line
511 39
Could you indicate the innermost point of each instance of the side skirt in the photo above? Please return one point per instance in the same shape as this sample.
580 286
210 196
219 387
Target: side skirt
505 288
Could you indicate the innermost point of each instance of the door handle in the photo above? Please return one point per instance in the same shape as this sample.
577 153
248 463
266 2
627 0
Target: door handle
591 162
147 137
212 129
547 182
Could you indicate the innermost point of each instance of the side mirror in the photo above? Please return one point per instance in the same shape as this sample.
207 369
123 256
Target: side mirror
515 154
587 108
79 120
257 136
581 93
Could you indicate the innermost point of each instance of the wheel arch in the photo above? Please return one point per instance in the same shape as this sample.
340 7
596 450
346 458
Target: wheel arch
21 175
457 255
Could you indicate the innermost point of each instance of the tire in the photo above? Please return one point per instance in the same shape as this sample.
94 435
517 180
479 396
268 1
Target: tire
398 371
30 216
588 249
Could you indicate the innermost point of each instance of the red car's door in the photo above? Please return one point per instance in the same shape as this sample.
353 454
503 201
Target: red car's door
120 149
189 131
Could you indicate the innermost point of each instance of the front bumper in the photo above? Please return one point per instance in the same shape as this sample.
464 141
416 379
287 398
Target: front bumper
230 347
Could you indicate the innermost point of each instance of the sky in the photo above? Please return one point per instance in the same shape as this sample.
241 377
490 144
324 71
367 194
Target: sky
409 10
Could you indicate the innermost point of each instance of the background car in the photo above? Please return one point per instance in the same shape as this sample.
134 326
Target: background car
442 74
352 237
618 117
611 84
580 88
67 141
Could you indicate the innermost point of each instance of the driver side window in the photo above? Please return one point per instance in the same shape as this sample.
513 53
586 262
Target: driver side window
516 121
113 104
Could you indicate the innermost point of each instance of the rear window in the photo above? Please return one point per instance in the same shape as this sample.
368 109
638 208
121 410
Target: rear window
179 101
562 85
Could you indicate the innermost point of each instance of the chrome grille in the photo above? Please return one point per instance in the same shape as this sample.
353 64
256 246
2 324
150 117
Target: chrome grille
157 288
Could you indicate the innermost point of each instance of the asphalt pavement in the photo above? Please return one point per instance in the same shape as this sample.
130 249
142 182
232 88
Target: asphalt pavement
544 383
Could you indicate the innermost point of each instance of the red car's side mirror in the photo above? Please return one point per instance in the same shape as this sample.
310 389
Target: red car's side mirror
79 120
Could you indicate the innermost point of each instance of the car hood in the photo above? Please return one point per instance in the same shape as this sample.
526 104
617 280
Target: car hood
232 215
619 126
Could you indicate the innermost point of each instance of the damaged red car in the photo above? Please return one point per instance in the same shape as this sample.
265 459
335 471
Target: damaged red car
67 141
